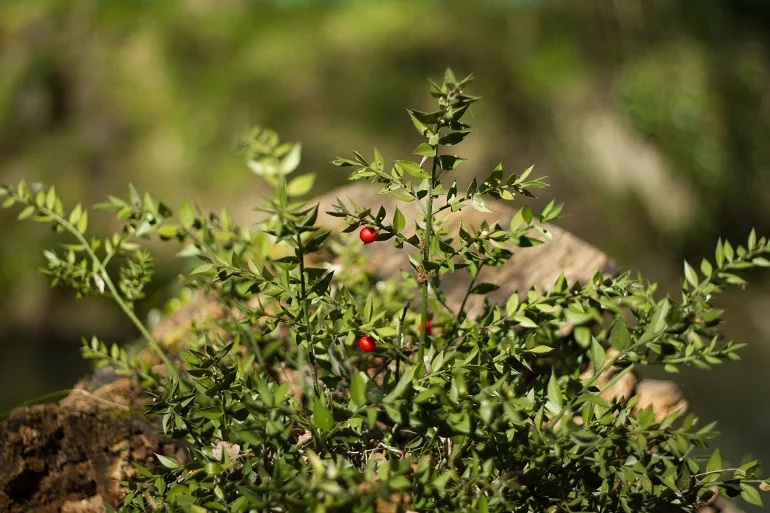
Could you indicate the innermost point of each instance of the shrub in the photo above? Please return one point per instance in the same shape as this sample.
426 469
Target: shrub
319 391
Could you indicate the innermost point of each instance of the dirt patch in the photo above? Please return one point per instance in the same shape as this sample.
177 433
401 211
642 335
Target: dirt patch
67 456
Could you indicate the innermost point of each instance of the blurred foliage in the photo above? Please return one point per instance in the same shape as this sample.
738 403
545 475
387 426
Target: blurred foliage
665 101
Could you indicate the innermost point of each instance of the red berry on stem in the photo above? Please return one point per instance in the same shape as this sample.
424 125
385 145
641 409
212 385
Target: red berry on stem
367 234
427 326
366 343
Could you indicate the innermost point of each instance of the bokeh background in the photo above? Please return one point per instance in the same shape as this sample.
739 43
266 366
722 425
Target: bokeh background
650 117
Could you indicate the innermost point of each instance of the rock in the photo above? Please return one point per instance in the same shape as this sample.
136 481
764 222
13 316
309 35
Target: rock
665 397
93 505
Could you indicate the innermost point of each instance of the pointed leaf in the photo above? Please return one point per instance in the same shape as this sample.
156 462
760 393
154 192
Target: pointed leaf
301 185
398 221
480 205
750 494
292 159
690 274
620 338
715 462
425 150
554 393
167 461
322 416
358 388
412 168
597 355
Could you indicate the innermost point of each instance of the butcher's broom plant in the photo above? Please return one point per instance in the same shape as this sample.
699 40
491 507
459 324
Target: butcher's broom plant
316 388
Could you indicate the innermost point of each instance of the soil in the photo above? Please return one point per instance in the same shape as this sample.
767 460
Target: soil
67 457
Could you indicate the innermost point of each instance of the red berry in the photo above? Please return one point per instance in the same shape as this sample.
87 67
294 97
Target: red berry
366 343
367 234
427 326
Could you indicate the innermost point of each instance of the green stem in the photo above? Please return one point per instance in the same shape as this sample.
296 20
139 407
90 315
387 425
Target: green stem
461 312
303 290
460 317
305 314
114 291
400 337
426 259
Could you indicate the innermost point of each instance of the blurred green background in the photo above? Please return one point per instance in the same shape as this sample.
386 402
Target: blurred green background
650 117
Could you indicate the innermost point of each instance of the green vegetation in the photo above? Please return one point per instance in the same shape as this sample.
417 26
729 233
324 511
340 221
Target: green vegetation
495 411
105 92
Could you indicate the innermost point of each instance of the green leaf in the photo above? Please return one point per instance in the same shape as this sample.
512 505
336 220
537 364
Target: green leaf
211 412
620 338
167 461
657 323
82 222
412 168
727 250
690 274
317 242
50 198
705 268
453 138
252 266
386 331
379 162
583 336
75 214
472 188
186 216
301 185
484 288
554 393
449 162
750 494
421 128
512 304
358 388
202 269
403 383
480 205
322 416
718 255
406 198
525 321
522 217
715 462
425 150
168 231
142 470
292 159
27 212
398 221
597 355
399 483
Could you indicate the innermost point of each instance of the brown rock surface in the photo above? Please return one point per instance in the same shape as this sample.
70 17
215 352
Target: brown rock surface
67 456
